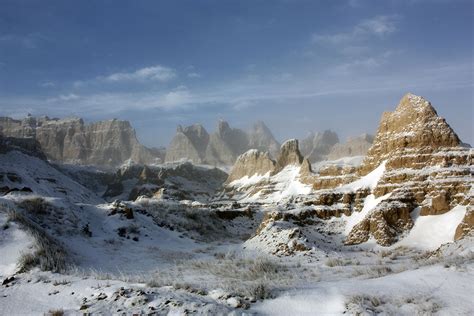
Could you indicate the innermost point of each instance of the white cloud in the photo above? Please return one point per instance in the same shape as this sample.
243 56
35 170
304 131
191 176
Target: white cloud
158 73
68 97
379 26
176 98
64 98
194 75
47 84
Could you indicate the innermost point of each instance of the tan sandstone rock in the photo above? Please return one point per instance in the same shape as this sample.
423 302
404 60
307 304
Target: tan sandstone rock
253 162
289 155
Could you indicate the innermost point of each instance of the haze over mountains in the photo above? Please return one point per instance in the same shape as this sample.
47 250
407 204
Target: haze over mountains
114 142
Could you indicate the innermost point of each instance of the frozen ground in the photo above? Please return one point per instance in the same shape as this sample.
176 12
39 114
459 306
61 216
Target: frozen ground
184 258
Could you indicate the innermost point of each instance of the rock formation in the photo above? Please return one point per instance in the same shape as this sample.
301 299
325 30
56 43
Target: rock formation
386 222
107 143
414 128
27 146
261 138
253 162
290 170
317 146
180 182
425 166
289 155
222 147
355 146
189 143
416 162
226 144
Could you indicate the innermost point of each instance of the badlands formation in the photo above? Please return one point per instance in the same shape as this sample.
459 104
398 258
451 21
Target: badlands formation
107 143
377 225
222 147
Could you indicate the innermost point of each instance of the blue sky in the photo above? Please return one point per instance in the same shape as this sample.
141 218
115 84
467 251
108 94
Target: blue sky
299 66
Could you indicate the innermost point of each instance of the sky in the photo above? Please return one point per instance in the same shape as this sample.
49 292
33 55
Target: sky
299 66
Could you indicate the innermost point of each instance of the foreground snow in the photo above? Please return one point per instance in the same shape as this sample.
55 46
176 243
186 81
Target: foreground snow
179 257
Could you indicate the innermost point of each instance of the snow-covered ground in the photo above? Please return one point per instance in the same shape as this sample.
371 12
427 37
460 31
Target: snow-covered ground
187 257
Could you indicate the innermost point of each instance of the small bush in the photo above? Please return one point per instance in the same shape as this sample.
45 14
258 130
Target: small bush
263 267
35 205
56 312
260 291
379 271
335 262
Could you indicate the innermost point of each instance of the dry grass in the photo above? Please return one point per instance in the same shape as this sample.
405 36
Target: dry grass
34 205
55 312
48 255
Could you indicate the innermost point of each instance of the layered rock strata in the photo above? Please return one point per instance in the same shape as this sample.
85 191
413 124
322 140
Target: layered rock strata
108 143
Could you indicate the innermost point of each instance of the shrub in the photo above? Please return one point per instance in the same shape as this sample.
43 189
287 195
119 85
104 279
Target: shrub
260 291
333 262
56 312
35 205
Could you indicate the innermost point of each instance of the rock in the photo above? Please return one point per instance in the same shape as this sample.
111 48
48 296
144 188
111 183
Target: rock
179 181
8 280
356 146
306 172
72 141
253 162
101 296
466 227
29 146
189 143
424 158
225 145
221 148
289 155
438 205
390 219
316 146
261 138
415 128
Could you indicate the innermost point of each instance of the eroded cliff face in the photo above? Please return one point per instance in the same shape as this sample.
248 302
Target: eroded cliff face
426 167
189 143
253 162
107 143
262 139
222 147
416 163
355 146
289 155
414 128
226 144
317 146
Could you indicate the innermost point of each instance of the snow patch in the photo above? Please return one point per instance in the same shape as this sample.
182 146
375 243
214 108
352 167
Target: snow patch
370 203
431 231
369 181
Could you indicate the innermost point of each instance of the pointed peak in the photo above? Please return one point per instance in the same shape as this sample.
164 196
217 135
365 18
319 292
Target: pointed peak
416 103
290 143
